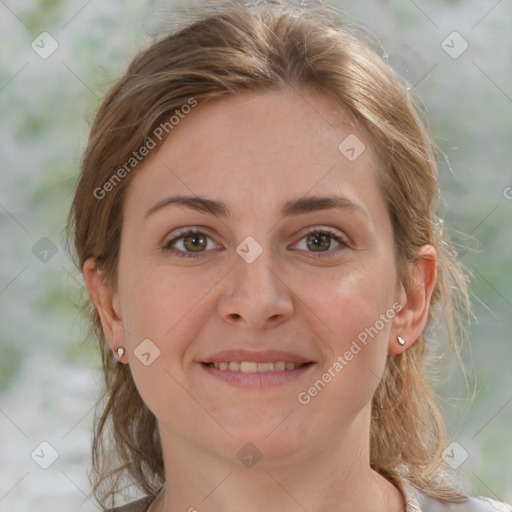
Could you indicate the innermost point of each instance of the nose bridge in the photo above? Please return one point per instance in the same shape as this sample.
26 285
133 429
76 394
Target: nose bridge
256 293
254 262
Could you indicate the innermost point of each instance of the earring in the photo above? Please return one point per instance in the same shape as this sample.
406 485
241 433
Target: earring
120 352
401 341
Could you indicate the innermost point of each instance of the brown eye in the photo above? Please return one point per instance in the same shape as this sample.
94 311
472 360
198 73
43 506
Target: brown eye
187 243
320 241
194 242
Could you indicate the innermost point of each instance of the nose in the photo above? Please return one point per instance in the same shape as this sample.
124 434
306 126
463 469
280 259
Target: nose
255 294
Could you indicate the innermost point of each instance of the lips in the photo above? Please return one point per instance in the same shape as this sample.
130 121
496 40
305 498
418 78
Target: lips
246 376
267 356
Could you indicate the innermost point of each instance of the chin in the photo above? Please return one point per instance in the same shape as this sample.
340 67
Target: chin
270 436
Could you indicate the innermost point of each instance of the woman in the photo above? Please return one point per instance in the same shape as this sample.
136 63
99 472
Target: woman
255 222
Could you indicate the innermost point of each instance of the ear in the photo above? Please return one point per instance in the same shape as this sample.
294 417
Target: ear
106 301
410 321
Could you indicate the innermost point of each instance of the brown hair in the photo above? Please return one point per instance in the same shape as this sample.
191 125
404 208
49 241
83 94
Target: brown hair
227 48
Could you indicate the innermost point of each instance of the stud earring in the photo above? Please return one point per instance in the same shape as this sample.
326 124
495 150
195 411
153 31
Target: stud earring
401 341
120 352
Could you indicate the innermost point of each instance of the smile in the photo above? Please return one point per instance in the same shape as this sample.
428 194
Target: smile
253 367
249 374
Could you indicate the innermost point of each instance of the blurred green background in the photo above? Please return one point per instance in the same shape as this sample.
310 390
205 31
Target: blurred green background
49 371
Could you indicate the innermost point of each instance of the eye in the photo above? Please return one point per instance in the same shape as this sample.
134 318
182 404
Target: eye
192 243
189 243
321 239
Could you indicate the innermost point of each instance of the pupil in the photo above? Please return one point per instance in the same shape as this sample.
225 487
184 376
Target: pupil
320 239
197 240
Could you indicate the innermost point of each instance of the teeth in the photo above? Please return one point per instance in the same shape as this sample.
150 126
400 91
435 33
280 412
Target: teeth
252 367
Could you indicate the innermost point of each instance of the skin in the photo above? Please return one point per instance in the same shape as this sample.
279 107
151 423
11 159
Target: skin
254 151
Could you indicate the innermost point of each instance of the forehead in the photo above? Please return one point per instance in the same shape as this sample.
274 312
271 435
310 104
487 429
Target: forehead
255 146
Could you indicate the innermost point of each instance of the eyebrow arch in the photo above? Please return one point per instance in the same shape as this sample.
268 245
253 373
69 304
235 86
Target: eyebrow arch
290 208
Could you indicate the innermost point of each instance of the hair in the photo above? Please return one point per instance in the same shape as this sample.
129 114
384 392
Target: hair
224 49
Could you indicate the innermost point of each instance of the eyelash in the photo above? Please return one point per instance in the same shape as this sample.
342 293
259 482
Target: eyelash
319 231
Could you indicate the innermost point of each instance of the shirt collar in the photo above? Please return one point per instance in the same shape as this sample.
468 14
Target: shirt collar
411 495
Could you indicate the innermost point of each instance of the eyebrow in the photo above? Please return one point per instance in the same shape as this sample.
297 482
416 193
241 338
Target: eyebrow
290 208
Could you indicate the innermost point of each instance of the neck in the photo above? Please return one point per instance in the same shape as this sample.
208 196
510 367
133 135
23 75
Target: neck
338 478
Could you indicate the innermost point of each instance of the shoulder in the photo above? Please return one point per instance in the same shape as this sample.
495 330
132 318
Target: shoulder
417 501
472 504
135 506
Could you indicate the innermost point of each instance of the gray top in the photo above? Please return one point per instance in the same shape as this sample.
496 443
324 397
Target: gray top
416 500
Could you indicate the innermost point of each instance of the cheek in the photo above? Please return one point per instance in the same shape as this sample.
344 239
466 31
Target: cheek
353 314
351 301
166 306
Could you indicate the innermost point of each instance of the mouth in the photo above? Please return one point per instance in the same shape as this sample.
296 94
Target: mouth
253 367
257 376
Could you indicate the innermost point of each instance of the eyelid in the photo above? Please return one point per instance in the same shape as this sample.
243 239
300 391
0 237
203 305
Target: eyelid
319 228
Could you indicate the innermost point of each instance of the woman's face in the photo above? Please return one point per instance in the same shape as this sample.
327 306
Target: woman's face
293 252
